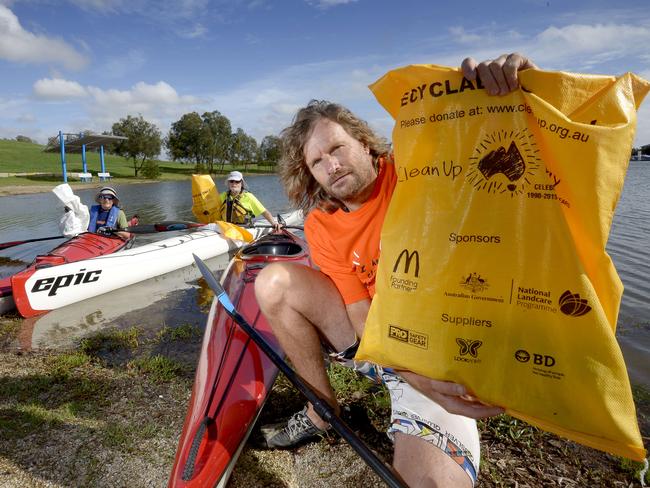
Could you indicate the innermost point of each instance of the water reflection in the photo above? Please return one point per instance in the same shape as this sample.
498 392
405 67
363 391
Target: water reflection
175 298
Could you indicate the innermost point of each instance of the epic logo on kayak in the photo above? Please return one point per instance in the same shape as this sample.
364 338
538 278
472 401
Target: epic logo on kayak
63 281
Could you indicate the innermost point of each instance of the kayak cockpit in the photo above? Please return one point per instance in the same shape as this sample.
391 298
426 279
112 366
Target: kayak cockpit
272 245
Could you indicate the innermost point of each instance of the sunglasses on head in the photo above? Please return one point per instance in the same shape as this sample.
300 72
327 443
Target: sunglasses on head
106 197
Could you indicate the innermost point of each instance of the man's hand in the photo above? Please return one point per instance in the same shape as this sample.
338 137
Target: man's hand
499 76
451 396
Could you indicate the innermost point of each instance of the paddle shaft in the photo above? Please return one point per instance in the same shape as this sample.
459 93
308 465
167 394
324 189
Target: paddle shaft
321 407
6 245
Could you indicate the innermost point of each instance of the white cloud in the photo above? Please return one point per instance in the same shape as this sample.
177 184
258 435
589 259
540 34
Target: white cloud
19 45
595 44
324 4
58 89
121 66
196 31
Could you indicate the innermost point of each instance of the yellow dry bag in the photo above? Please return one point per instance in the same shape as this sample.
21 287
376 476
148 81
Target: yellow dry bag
493 269
206 201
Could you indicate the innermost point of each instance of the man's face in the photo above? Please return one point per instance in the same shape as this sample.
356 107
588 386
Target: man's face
234 186
340 164
106 201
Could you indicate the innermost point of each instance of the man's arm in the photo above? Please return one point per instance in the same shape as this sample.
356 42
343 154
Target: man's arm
267 215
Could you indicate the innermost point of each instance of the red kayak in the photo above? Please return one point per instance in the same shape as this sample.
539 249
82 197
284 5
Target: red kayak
233 376
82 246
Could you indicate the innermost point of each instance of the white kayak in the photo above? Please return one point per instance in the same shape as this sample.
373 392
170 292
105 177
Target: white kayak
54 287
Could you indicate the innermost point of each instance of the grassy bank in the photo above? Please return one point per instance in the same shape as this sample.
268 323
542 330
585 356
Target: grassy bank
109 413
23 157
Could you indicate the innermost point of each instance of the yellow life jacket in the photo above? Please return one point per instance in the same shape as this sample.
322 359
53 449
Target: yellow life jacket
233 209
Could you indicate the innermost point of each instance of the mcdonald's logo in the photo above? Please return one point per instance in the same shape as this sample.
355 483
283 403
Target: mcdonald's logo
408 257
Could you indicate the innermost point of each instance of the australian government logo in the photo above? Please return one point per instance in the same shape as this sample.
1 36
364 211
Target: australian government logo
408 336
468 350
504 162
406 271
474 286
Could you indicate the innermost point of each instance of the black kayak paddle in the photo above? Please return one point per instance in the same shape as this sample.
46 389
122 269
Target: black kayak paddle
322 408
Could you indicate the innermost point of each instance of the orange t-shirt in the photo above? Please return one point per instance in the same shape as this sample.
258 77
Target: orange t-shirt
345 245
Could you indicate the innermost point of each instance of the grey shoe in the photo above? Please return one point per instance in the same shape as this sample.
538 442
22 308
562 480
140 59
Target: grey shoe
295 431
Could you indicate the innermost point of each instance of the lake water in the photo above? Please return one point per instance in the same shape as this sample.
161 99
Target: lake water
175 298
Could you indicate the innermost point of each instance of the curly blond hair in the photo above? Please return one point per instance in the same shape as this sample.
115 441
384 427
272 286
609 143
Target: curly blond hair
302 189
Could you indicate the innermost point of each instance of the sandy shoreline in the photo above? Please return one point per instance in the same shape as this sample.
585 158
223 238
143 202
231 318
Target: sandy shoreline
11 190
6 191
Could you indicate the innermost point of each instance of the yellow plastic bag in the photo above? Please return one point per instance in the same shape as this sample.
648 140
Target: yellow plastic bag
493 271
206 207
233 231
206 201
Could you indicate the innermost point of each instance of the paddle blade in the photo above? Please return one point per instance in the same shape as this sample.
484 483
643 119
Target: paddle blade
163 227
233 231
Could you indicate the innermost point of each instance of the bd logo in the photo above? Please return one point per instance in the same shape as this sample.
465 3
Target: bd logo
408 258
408 336
538 359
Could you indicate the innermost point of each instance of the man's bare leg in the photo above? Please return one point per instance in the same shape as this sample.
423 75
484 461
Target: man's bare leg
303 306
423 465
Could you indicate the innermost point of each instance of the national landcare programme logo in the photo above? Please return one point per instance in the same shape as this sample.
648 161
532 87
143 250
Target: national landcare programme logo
504 161
571 304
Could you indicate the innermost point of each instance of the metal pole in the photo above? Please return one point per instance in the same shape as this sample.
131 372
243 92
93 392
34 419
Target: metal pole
63 165
101 157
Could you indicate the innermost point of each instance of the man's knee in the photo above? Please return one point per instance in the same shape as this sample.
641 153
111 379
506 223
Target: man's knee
271 284
277 281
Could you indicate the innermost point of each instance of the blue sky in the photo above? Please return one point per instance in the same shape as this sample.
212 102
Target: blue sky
83 64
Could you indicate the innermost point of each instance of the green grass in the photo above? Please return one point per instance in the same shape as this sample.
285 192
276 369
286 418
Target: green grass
23 157
185 332
110 341
159 369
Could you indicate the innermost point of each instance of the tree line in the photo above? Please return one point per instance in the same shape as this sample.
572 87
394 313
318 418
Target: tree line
207 141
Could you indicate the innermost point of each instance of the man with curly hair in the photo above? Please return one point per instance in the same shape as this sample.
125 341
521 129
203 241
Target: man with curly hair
341 174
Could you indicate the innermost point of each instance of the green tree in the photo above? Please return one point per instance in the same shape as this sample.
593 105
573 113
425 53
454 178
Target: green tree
144 140
188 140
203 140
24 139
243 149
270 149
219 129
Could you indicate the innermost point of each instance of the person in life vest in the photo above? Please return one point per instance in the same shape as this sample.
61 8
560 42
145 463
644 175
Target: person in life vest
108 217
342 175
239 206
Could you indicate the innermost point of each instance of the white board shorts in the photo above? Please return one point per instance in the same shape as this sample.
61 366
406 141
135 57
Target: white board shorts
412 413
